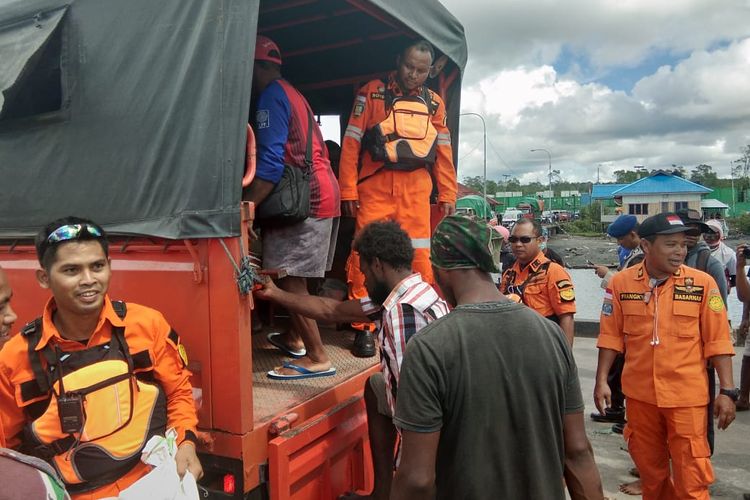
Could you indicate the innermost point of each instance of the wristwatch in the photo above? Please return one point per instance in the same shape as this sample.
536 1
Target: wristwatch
733 394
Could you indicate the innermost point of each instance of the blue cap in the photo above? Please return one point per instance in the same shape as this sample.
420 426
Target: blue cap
622 226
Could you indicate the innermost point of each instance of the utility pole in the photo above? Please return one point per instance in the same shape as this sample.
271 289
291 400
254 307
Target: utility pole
484 175
549 157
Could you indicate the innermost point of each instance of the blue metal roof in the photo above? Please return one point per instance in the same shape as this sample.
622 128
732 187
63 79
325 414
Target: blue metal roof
604 191
662 182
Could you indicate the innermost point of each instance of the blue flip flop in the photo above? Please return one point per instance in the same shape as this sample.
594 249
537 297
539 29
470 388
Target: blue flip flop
303 372
274 341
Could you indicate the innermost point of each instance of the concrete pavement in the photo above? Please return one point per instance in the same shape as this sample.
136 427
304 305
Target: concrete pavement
731 459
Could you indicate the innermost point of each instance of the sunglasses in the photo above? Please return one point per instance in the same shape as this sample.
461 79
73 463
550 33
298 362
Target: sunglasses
522 239
72 232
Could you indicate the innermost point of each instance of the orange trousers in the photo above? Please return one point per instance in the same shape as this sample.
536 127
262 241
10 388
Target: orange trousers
405 198
657 435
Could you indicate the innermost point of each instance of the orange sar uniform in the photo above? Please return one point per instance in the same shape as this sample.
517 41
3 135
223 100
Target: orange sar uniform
670 331
145 330
543 285
393 194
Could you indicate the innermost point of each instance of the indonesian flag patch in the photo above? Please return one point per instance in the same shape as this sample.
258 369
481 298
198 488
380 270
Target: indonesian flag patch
674 220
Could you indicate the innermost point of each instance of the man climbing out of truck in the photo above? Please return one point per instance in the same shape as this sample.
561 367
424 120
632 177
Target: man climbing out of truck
395 142
89 382
484 382
287 134
400 303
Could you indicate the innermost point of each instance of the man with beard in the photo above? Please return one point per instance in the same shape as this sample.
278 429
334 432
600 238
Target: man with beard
400 303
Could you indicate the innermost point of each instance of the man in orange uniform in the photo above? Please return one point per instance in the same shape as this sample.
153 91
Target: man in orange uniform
375 188
673 319
543 285
86 385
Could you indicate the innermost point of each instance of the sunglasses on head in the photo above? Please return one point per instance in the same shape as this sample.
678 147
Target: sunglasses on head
522 239
72 232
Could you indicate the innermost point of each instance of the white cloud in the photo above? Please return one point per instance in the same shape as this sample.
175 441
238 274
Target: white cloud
695 111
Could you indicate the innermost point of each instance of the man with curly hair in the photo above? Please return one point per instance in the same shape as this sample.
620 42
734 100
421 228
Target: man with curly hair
400 303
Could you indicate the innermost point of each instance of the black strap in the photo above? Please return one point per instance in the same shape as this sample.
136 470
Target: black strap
521 287
33 334
120 307
308 150
32 331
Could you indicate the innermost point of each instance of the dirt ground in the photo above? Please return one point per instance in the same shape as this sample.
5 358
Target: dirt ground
576 250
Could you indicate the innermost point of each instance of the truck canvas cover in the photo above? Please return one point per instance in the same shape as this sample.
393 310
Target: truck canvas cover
134 112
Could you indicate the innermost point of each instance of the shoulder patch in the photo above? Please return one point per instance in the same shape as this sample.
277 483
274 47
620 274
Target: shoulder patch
607 308
262 118
715 303
173 340
563 284
567 295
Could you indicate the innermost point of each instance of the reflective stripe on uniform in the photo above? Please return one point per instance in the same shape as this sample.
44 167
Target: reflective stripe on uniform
443 139
420 242
353 132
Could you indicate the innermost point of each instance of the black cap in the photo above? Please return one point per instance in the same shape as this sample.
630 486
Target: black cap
692 216
666 223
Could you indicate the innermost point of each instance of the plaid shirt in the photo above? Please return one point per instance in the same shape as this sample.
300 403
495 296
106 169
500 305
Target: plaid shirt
411 305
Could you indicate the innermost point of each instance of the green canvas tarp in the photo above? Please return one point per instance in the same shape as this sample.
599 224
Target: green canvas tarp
134 112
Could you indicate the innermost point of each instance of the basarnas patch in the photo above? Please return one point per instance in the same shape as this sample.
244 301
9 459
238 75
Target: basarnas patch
607 308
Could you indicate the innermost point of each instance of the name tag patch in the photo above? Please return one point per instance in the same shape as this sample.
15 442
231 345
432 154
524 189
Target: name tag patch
631 296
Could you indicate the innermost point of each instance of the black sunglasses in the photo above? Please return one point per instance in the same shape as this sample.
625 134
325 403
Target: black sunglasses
522 239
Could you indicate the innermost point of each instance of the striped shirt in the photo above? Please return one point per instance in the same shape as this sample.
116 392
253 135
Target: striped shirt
411 306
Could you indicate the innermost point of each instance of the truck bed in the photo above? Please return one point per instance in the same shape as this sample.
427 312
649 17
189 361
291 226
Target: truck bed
273 397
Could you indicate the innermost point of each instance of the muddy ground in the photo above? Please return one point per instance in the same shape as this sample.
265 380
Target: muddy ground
576 250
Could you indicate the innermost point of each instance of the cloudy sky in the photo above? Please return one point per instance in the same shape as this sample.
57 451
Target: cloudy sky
604 83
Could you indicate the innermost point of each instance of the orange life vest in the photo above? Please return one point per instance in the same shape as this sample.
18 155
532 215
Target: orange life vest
91 411
405 139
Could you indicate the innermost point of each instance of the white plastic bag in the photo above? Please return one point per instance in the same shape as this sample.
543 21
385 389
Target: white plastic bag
162 483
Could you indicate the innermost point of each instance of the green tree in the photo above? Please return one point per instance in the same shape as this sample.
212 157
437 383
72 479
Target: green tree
512 184
741 166
477 184
677 170
704 175
626 176
474 183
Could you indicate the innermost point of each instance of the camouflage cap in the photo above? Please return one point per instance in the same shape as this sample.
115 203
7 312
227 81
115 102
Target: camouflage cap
463 243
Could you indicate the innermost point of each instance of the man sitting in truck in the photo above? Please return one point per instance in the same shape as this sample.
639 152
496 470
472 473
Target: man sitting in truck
89 382
400 303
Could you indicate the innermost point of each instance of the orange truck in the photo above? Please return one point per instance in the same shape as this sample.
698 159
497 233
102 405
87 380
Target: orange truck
134 113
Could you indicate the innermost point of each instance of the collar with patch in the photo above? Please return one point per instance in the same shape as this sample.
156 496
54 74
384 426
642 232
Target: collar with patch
641 273
49 330
535 263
